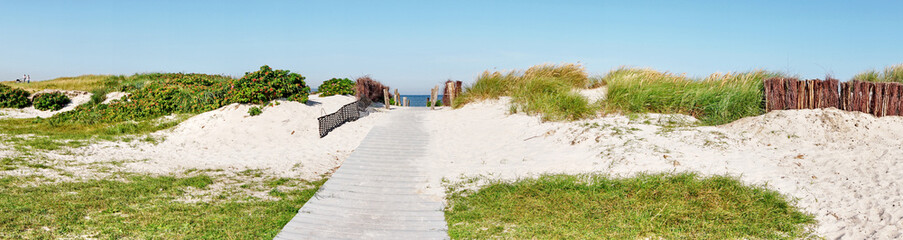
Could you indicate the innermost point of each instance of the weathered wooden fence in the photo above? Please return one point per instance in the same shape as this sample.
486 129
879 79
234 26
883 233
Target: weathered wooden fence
879 99
347 113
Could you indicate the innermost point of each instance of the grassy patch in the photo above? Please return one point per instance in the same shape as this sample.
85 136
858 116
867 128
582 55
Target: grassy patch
80 83
141 207
47 135
682 206
893 73
717 99
545 90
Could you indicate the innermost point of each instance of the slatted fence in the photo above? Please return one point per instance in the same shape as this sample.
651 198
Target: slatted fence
879 99
347 113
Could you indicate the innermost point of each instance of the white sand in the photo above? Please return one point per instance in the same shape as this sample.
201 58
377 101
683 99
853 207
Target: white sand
284 141
77 97
841 166
113 96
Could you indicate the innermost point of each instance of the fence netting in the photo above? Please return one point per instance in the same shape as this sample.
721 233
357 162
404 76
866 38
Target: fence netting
347 113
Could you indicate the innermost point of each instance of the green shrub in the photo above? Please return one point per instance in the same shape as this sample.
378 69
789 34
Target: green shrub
893 73
254 111
717 99
13 97
267 84
169 93
543 89
336 86
50 101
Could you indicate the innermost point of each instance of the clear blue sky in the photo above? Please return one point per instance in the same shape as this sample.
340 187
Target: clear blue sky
413 45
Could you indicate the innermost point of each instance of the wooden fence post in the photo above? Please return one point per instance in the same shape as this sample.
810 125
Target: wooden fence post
397 103
386 97
404 101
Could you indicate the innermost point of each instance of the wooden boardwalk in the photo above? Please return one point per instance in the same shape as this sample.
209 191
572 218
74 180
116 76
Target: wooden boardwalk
374 194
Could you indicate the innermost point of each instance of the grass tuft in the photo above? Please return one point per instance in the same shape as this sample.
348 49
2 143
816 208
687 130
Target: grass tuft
681 206
546 90
716 99
893 73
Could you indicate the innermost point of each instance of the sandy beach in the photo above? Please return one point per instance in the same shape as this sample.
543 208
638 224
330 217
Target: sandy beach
840 166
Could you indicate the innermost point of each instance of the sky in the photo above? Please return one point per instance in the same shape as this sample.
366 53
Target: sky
415 45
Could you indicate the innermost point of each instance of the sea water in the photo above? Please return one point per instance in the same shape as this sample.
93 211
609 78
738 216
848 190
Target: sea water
418 100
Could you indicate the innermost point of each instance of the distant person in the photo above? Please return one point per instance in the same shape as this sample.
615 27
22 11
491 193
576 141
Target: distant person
27 78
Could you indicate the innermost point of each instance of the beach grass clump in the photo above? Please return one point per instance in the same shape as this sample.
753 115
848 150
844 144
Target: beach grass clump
716 99
11 97
336 86
893 73
545 90
657 206
143 207
50 101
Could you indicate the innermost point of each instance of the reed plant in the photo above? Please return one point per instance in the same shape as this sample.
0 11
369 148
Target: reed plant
893 73
716 99
545 90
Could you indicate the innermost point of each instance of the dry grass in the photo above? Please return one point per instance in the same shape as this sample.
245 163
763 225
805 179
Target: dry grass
893 73
81 83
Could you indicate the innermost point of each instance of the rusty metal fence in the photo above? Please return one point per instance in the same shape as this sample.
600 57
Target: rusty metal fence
347 113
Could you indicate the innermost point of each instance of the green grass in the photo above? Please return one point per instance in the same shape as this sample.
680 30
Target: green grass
681 206
140 207
717 99
545 90
893 73
46 135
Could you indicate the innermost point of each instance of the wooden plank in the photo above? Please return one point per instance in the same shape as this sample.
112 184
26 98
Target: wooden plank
386 97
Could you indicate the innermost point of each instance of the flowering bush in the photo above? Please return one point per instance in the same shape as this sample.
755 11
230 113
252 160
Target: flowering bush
172 93
336 86
13 97
267 84
50 101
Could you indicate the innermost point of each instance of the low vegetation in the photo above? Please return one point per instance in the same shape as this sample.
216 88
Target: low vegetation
81 83
661 206
158 101
336 86
50 101
254 111
893 73
143 207
545 90
13 97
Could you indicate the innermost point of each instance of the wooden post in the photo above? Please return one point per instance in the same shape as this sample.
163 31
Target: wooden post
451 93
404 101
386 97
397 103
434 94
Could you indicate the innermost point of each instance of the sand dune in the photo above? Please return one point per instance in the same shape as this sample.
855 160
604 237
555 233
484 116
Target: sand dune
841 166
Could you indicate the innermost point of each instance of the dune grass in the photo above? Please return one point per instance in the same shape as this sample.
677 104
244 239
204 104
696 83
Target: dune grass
81 83
661 206
545 90
142 207
717 99
893 73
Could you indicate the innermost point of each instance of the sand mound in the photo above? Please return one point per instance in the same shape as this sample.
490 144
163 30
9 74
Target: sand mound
830 127
594 94
843 167
77 97
283 140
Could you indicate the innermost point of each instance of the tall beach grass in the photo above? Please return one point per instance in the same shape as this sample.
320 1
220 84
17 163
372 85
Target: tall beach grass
545 90
716 99
893 73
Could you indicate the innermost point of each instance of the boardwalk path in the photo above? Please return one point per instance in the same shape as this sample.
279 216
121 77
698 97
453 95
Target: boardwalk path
374 194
